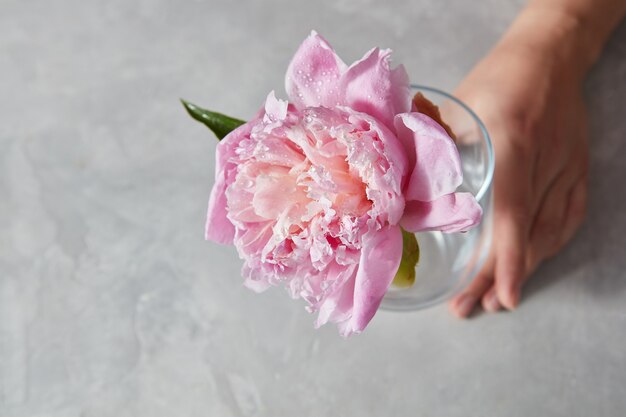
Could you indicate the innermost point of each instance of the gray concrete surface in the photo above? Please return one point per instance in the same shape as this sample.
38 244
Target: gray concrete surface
111 303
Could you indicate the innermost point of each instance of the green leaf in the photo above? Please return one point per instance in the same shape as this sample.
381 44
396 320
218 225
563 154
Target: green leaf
220 124
405 277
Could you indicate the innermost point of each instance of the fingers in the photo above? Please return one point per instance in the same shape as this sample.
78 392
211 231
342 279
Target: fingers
510 270
552 159
559 215
576 211
490 301
557 223
511 219
545 233
463 304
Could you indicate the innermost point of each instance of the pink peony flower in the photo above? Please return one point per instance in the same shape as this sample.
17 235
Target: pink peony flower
313 192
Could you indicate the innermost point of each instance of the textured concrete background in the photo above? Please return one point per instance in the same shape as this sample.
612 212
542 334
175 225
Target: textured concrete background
111 303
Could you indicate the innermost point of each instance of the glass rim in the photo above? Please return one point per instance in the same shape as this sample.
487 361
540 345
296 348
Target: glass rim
482 191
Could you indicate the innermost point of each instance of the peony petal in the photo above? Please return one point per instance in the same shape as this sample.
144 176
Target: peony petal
257 286
400 90
318 77
218 228
385 190
252 239
239 204
371 87
433 156
276 151
275 109
380 259
337 307
276 192
456 212
254 280
392 147
313 74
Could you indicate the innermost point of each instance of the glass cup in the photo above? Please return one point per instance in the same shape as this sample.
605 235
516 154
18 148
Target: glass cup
449 261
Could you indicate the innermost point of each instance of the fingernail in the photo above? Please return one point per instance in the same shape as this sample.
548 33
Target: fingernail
466 305
513 299
491 302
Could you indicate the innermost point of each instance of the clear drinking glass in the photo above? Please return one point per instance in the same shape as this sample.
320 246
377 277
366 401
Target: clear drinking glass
449 261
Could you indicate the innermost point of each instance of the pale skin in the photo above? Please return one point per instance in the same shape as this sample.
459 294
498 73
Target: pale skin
528 92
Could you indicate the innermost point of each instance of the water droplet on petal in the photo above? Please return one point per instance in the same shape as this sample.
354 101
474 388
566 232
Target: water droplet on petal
263 148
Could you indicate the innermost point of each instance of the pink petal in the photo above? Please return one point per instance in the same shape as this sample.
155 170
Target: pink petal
456 212
313 74
252 238
276 192
318 77
371 87
337 307
218 228
393 148
257 286
432 154
275 109
239 203
379 262
255 280
276 151
400 90
386 190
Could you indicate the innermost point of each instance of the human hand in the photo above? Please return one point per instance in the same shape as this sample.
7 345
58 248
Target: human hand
527 91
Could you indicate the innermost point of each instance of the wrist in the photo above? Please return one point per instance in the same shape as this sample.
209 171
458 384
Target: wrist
556 38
